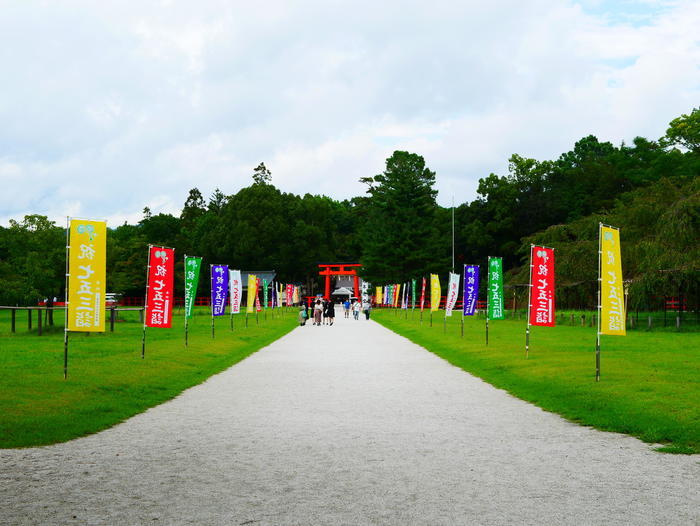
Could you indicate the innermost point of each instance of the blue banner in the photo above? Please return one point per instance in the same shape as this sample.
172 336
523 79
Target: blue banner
471 289
219 289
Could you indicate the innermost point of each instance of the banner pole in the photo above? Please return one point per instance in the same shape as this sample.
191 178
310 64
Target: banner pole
431 317
529 301
145 305
65 327
487 328
444 323
597 336
462 324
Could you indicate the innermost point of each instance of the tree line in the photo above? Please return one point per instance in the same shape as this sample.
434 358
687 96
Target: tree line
398 231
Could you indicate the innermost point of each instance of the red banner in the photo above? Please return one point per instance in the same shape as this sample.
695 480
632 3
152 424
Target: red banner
422 295
159 290
290 295
542 287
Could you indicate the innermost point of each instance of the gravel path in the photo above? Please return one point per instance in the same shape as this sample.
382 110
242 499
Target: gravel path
349 424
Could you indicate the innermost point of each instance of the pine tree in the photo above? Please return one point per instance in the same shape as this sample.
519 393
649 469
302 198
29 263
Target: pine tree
399 237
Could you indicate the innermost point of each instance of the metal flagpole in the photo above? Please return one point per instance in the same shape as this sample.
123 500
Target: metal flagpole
453 233
65 328
529 306
597 337
145 305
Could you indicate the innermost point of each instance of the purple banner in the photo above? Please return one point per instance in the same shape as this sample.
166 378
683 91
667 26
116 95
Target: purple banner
219 288
471 289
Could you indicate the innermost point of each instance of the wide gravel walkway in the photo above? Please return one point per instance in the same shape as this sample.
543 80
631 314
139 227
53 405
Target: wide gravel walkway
349 424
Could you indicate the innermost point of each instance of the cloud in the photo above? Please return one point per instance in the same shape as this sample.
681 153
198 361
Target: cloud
110 107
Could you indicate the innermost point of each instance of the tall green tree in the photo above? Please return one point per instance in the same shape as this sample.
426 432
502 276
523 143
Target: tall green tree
399 239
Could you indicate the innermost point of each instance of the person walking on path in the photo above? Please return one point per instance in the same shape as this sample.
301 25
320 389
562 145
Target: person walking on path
356 310
302 315
318 311
346 308
330 312
366 307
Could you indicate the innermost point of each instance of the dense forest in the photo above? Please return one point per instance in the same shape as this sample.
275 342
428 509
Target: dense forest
650 189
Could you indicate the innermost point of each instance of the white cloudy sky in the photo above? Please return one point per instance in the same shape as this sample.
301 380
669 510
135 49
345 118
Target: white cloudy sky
107 107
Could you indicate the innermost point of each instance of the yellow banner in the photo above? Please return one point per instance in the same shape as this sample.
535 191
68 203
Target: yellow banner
379 296
252 290
435 292
612 298
397 294
87 274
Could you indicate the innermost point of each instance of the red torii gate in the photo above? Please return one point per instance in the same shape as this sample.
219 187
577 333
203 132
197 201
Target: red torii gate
340 269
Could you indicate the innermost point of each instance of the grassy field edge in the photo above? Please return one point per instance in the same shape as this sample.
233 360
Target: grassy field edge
108 386
585 403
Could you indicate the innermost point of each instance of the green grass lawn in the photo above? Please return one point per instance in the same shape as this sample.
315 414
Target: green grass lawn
650 381
107 380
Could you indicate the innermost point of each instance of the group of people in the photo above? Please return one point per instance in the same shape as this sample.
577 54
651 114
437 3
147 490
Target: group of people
323 311
355 307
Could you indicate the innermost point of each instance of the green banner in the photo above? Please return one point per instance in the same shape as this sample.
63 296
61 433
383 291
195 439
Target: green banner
496 309
413 293
264 285
192 265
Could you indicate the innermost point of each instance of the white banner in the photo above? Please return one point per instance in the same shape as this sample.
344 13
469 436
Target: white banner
452 293
236 290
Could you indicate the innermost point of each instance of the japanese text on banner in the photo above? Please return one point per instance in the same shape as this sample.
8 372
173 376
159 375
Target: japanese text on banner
435 292
496 308
192 266
86 275
219 289
612 305
236 290
452 293
542 287
159 292
252 291
471 289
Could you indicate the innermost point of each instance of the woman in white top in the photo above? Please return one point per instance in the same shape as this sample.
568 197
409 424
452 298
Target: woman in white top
318 311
